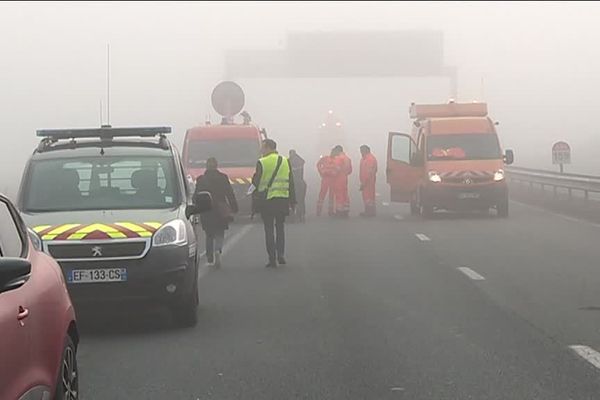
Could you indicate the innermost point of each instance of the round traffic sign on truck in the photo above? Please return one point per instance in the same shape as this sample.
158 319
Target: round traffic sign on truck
228 98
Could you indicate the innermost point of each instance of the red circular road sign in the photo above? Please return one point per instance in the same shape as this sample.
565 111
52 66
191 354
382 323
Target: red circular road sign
228 98
561 153
561 146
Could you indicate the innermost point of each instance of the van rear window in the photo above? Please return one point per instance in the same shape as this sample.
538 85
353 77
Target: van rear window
229 153
463 147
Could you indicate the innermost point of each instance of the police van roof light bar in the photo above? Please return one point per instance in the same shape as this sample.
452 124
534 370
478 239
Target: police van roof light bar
105 132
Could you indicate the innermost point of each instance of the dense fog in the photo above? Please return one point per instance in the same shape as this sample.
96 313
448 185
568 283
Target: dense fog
536 65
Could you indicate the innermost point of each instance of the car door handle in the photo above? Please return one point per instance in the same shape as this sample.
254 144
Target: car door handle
23 313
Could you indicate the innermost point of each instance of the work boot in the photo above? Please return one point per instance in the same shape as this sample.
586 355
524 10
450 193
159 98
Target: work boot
281 260
271 264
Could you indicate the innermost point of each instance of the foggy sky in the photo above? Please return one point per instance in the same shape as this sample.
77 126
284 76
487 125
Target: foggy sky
539 62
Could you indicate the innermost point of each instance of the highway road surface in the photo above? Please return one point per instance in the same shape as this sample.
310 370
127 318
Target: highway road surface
458 307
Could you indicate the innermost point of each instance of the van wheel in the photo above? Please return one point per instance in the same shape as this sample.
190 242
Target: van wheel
426 210
414 207
67 387
502 209
185 311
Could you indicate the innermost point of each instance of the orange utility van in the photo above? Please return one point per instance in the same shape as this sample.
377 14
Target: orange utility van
451 161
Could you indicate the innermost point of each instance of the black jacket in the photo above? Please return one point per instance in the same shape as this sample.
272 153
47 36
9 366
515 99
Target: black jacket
217 184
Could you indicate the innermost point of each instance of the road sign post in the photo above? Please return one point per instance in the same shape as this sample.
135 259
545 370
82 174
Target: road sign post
561 154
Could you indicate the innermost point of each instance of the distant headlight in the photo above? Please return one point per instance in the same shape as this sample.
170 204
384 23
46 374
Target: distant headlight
36 241
171 233
434 177
499 175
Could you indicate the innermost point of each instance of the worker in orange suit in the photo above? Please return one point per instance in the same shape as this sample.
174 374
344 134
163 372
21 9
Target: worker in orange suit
328 172
342 199
368 177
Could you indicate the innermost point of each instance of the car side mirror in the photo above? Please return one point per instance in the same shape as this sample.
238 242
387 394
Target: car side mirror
14 272
202 203
509 157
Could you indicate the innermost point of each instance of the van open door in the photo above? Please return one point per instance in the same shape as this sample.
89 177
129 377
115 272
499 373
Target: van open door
404 167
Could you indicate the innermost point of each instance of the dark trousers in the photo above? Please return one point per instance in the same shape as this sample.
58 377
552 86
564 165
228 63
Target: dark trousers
301 198
274 234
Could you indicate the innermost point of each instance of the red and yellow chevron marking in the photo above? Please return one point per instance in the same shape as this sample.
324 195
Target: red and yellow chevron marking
97 231
240 181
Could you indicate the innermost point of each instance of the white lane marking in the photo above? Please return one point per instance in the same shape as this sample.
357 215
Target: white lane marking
236 237
399 217
588 354
471 274
422 237
385 204
563 216
229 243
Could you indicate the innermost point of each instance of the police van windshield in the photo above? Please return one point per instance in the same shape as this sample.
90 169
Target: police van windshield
105 183
463 147
230 153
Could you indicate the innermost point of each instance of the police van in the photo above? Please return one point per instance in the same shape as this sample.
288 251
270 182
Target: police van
113 207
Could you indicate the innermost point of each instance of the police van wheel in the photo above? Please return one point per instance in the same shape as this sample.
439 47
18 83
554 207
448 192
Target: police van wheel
502 209
426 210
185 312
414 207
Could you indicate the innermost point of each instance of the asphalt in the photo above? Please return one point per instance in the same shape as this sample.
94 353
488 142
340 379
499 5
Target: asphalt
366 309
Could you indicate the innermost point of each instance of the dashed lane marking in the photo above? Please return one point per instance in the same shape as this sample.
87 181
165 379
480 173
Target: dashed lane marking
588 354
236 237
471 274
422 237
229 243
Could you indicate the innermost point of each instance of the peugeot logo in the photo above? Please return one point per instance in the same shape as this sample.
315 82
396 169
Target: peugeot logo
97 251
468 181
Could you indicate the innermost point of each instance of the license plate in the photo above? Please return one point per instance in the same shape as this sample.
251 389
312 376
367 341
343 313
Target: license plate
468 195
97 275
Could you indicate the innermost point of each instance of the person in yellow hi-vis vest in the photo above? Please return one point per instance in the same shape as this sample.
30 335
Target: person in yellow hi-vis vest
274 197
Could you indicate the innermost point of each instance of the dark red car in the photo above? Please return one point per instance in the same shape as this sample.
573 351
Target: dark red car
38 331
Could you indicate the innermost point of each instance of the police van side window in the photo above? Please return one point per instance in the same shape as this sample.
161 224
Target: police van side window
11 243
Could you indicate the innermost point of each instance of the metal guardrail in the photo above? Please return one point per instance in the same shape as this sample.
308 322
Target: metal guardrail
584 184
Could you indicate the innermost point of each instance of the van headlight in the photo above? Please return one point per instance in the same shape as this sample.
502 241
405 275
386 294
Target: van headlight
434 177
499 175
171 233
36 241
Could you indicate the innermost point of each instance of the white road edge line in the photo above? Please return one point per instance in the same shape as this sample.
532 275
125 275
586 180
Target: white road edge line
422 237
471 274
229 243
588 354
563 216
